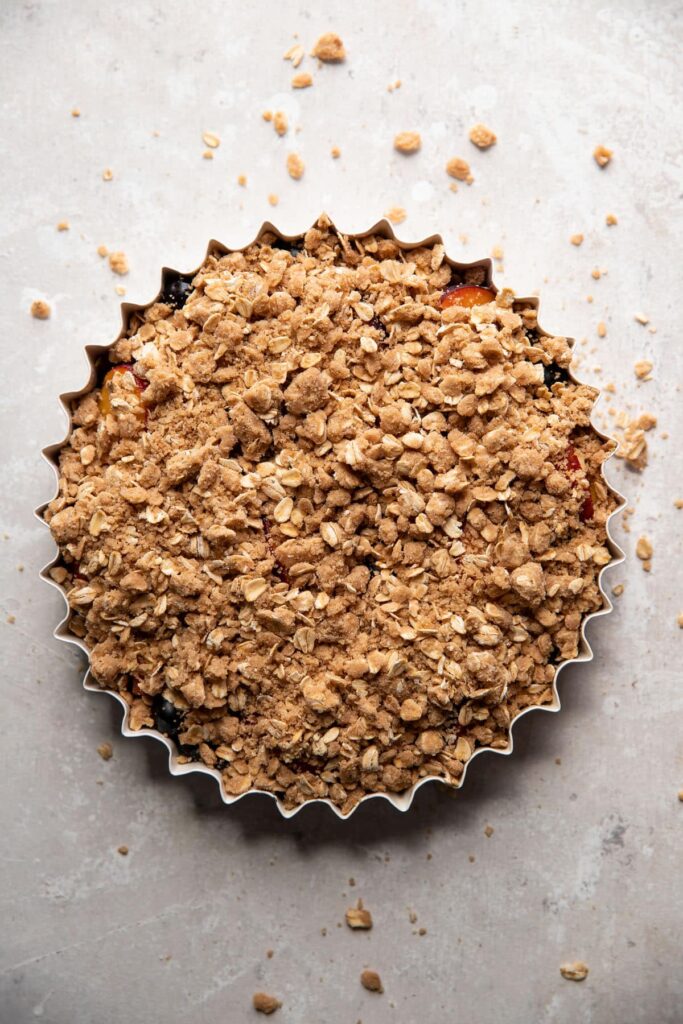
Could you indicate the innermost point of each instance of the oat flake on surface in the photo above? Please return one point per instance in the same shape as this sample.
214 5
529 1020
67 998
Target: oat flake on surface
327 534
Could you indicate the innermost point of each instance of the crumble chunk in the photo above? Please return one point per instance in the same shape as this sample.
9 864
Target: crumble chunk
407 142
329 48
327 525
482 137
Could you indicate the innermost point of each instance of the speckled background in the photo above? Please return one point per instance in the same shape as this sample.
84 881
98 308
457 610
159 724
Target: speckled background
584 862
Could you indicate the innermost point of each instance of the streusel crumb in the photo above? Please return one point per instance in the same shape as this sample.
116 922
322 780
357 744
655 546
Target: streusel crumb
602 155
459 169
295 166
264 1003
482 137
396 214
329 48
577 971
40 309
407 142
118 261
302 80
280 123
325 525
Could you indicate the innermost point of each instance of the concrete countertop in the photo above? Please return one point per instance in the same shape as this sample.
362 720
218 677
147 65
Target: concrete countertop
584 860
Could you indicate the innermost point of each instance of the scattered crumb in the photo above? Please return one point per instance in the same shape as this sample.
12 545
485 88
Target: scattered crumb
123 850
295 166
102 250
644 551
211 140
107 174
641 318
269 953
106 751
642 368
273 199
75 112
371 981
396 214
63 225
488 831
460 169
558 760
421 931
335 152
611 220
358 917
120 290
618 589
20 568
10 620
302 80
596 273
680 795
412 917
482 137
679 620
453 187
576 239
678 502
602 155
280 122
602 329
407 142
295 53
242 180
471 858
574 972
329 48
267 115
394 85
118 262
40 309
352 881
207 154
264 1003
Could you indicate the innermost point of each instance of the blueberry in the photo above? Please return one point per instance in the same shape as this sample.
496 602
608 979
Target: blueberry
176 292
379 325
289 247
167 717
554 373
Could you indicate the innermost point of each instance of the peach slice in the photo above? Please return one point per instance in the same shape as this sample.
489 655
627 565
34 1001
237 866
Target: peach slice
466 295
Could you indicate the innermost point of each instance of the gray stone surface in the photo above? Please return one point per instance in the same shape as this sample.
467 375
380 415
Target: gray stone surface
584 862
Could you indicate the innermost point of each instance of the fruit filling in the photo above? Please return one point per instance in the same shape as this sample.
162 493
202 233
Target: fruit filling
466 295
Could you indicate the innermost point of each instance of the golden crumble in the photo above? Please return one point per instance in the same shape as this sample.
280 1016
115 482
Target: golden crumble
482 137
576 971
40 309
371 981
576 239
459 169
107 174
335 152
328 524
118 261
211 140
295 166
602 155
329 48
280 123
302 80
396 214
265 1003
407 142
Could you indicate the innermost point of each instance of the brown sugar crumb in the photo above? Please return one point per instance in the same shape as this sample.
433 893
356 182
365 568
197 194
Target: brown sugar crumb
602 155
273 199
602 329
358 917
335 152
106 751
267 115
611 220
642 369
63 225
302 80
123 850
211 140
40 309
329 48
102 251
264 1003
107 174
407 142
576 239
351 541
488 831
482 137
280 123
396 214
371 981
460 169
295 53
295 166
118 261
574 972
644 549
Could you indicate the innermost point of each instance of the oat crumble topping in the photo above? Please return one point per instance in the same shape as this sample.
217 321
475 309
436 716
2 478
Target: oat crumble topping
482 137
326 522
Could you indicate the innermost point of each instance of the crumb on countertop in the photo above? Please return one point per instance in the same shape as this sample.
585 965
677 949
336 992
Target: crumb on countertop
265 1003
40 309
407 142
329 48
482 137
